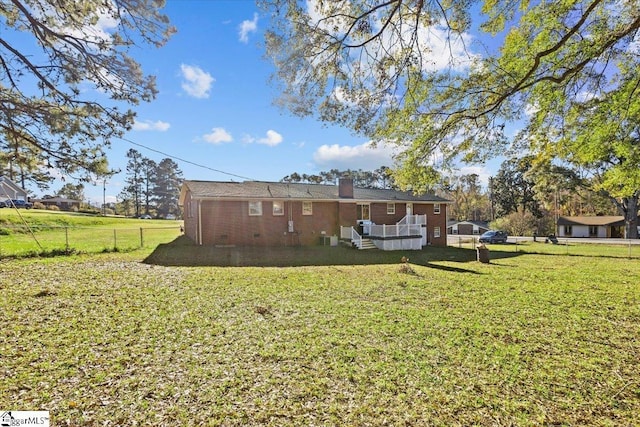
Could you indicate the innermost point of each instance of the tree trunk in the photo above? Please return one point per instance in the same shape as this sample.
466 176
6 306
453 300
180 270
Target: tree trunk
631 218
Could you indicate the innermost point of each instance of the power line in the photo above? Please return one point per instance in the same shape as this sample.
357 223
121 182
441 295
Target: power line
187 161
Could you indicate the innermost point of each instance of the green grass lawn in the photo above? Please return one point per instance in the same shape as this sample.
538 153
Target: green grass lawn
39 232
356 339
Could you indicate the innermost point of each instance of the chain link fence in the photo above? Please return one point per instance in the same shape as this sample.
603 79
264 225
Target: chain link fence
16 241
618 248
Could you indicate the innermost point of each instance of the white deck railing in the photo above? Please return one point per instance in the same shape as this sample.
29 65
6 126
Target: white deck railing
413 219
350 233
398 230
410 225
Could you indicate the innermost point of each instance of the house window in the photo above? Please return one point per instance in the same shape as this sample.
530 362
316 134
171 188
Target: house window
568 229
476 229
391 208
436 232
454 229
255 208
307 208
278 208
436 208
593 231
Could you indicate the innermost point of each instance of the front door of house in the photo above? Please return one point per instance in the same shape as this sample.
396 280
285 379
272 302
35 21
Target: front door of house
364 211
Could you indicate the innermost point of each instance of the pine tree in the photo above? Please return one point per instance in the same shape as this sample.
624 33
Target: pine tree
168 180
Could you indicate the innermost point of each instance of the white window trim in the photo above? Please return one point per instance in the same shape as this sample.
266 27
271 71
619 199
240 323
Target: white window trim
436 232
256 207
391 208
436 208
309 210
273 208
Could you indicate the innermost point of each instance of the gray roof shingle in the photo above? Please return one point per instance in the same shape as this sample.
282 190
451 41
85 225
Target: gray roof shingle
283 190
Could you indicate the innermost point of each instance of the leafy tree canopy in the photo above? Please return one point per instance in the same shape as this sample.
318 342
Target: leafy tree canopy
513 191
379 178
412 73
72 191
52 53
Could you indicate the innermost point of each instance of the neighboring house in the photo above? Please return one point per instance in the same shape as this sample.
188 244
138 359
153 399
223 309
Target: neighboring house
254 213
591 226
62 203
11 190
467 228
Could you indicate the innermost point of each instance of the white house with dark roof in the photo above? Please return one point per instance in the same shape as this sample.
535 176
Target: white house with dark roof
591 226
11 190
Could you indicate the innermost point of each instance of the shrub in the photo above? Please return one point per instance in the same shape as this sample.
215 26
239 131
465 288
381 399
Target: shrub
517 224
39 205
53 208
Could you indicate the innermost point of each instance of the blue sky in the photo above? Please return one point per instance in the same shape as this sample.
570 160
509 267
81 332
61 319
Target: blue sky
215 107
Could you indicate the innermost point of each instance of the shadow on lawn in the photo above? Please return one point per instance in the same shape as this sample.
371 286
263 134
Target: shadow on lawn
182 252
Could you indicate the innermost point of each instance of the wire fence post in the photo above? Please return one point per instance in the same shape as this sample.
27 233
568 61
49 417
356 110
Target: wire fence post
115 240
141 238
66 239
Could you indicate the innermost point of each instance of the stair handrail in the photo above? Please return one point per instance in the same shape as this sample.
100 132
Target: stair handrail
356 238
351 234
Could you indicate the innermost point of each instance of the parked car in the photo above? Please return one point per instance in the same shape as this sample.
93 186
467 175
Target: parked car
494 236
18 204
145 216
5 203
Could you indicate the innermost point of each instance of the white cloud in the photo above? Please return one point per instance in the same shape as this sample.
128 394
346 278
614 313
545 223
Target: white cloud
149 125
364 156
217 136
248 27
197 82
272 139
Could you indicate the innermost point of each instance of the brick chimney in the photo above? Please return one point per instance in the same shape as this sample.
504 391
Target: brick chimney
345 188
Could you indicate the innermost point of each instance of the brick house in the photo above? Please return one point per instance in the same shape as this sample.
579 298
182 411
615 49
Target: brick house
256 213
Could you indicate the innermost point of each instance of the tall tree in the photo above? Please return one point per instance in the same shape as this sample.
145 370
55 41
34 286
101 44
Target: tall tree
512 191
168 179
44 102
72 191
132 190
598 134
147 176
23 163
403 70
379 178
469 200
